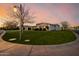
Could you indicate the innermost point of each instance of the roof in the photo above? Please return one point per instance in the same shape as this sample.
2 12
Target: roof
42 23
48 24
55 24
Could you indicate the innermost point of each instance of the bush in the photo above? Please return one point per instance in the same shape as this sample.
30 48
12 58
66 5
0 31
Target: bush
5 28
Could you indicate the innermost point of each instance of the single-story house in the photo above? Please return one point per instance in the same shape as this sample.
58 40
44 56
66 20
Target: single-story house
46 26
54 27
29 26
42 25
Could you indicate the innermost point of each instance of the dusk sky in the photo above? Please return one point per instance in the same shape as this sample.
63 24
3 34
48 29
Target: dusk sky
46 12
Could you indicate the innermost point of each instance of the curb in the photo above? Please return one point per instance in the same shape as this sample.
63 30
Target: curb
3 34
60 45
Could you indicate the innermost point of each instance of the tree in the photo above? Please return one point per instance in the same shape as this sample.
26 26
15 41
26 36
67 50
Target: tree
10 24
65 25
23 15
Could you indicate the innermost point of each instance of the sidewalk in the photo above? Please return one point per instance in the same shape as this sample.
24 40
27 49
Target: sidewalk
12 49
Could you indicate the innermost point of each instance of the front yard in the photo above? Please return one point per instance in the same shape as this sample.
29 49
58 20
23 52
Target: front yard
40 37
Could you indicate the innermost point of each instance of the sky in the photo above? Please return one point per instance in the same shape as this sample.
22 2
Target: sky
53 13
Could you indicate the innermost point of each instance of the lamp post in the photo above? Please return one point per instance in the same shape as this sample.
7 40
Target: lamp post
18 11
15 9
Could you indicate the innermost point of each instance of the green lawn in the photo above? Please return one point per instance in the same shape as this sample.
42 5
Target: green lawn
40 37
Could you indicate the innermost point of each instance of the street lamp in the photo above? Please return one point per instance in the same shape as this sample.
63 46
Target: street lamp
15 8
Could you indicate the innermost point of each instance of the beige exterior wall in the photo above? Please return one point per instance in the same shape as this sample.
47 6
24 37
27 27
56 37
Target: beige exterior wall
44 26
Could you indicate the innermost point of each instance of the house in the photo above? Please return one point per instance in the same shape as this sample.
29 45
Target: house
71 28
29 26
54 27
43 26
74 28
48 26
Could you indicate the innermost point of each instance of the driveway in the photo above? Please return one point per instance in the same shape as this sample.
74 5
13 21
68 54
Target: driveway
12 49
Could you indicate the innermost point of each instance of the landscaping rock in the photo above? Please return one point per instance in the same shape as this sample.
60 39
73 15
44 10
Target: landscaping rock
27 40
12 39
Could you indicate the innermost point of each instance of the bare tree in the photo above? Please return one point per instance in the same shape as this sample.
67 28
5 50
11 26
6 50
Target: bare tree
10 24
23 15
65 25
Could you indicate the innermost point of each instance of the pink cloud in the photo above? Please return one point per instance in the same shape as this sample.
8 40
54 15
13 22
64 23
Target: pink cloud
48 13
43 15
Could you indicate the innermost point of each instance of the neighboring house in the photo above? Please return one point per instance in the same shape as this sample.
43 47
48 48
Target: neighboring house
76 28
72 28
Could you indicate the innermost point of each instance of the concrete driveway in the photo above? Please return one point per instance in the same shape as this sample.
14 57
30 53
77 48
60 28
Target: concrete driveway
12 49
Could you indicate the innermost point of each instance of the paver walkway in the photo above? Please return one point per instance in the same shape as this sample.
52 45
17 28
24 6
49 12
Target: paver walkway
11 49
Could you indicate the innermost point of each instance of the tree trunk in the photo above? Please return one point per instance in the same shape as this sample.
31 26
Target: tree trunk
21 29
